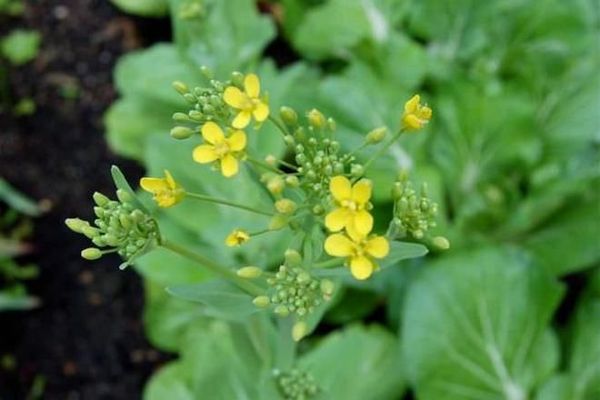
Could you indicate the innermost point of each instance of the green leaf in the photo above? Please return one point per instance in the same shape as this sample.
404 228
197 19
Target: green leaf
20 46
355 364
402 251
584 363
569 242
122 184
220 299
475 326
167 319
558 387
230 36
143 8
18 201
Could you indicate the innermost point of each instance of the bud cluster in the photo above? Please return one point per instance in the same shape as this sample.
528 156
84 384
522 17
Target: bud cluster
297 385
119 225
414 213
207 104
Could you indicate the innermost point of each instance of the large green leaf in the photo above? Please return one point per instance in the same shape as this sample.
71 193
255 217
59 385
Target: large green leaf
144 8
476 327
355 364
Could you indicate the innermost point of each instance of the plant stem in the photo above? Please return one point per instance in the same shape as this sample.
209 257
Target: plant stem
263 165
278 124
227 203
334 262
214 267
383 149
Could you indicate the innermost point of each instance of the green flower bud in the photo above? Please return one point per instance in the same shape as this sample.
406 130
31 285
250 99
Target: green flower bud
316 119
331 124
292 258
237 78
207 72
181 132
261 301
277 222
441 242
91 253
196 115
181 87
292 181
299 330
282 311
357 170
123 196
76 224
327 287
376 135
285 206
181 117
249 272
100 199
276 185
289 140
288 116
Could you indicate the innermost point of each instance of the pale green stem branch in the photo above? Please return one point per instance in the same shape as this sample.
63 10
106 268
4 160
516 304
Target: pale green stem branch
227 203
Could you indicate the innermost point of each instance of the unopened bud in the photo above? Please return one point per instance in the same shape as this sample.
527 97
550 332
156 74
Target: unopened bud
292 181
181 132
357 170
91 253
276 185
237 78
292 258
316 118
282 311
180 87
249 272
331 124
123 196
327 287
271 160
299 330
261 301
278 222
376 135
76 224
441 242
288 116
285 206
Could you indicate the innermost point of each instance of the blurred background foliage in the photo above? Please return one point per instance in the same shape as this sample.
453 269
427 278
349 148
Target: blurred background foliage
511 155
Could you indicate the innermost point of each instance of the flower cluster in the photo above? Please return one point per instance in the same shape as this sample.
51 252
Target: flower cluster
120 227
297 385
220 113
319 191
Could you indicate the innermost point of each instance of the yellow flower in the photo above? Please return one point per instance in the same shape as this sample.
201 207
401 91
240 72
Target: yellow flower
360 251
415 115
224 149
166 191
237 238
351 202
247 102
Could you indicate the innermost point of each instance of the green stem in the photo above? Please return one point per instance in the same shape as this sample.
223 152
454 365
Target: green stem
279 125
263 165
214 267
383 149
334 262
227 203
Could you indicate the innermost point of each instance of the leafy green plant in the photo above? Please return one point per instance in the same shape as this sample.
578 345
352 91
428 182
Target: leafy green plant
13 230
511 157
20 46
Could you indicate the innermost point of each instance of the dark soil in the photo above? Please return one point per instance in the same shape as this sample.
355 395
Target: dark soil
86 340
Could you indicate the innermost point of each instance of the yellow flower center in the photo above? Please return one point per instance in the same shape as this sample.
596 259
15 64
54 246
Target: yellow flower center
221 149
350 204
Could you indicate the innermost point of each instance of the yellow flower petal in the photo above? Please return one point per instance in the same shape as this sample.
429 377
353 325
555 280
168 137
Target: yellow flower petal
169 180
340 188
339 245
361 267
377 247
212 133
242 119
237 238
235 97
252 85
229 165
412 105
237 141
361 191
411 121
261 112
353 233
204 153
337 219
425 113
362 222
165 201
153 185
